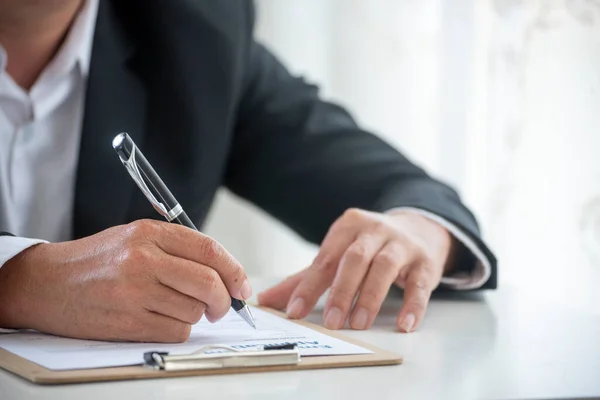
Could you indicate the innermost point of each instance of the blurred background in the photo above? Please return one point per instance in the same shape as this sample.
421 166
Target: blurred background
499 98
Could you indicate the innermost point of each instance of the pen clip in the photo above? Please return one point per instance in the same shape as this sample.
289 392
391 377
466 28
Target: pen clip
132 167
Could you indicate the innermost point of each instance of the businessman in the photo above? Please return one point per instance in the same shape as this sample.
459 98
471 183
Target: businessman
83 254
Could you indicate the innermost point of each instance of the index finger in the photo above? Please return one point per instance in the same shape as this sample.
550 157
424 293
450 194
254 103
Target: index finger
180 241
321 273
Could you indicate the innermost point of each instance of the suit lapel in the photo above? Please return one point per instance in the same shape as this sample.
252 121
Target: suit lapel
115 102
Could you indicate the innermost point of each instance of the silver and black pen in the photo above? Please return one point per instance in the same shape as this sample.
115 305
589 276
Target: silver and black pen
161 198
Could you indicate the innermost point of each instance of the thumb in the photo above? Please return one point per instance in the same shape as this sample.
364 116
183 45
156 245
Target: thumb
277 297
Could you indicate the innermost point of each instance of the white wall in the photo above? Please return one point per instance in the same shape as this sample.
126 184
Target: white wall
547 208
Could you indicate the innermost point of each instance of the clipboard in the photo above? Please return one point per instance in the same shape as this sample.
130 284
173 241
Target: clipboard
203 362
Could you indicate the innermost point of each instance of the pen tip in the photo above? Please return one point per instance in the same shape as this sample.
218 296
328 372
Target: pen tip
246 314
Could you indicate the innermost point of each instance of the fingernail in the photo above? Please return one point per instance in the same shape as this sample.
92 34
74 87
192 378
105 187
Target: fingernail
333 319
407 324
246 290
360 318
295 309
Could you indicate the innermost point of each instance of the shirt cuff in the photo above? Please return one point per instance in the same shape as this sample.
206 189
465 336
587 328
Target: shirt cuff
460 281
10 246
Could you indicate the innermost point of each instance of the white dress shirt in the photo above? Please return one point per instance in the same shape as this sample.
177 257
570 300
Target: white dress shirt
39 147
39 142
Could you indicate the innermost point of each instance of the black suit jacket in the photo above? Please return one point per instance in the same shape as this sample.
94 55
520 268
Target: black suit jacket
211 107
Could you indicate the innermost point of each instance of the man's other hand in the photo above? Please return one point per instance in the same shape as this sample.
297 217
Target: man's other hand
361 257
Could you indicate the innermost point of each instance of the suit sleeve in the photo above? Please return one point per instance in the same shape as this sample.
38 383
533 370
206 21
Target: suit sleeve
305 161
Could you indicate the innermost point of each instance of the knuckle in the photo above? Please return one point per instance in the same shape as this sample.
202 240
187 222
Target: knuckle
328 266
341 294
210 249
402 238
134 254
180 332
371 298
381 227
420 284
211 281
142 228
307 290
419 250
197 311
385 259
416 306
412 245
357 252
354 214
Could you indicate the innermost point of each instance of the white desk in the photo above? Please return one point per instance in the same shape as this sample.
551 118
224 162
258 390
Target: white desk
503 344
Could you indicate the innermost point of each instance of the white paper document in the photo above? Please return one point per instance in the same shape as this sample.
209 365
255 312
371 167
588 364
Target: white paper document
58 353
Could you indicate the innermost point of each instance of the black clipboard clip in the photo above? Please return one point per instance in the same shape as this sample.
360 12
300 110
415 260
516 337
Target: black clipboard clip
221 356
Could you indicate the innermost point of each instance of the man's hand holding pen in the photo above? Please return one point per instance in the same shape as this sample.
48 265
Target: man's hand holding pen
146 281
